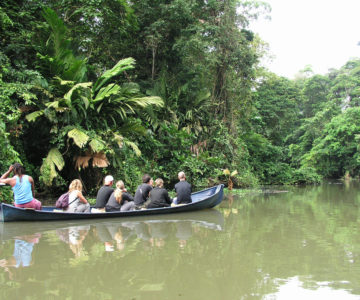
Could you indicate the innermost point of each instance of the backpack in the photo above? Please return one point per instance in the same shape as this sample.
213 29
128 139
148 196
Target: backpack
63 201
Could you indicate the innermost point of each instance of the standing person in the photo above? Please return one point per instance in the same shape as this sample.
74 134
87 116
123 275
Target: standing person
77 202
22 186
104 192
183 190
142 192
159 197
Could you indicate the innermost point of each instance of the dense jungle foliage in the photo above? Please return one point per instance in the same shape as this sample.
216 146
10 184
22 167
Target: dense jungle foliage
89 88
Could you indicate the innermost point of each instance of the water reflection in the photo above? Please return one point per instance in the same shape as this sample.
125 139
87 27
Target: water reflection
274 246
74 237
22 256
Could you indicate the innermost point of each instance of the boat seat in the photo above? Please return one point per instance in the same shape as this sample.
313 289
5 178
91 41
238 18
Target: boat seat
173 204
97 210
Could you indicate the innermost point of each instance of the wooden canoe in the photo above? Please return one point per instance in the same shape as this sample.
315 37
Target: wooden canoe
207 198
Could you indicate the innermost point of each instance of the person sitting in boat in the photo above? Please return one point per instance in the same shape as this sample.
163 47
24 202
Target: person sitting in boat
22 186
127 201
159 197
120 199
104 192
142 192
77 202
183 190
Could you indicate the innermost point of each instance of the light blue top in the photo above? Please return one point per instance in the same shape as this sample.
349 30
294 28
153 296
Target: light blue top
22 253
22 190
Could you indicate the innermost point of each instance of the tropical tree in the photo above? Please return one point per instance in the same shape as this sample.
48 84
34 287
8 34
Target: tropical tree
93 117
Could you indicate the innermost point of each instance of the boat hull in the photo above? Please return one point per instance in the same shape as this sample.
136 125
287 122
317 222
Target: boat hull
207 198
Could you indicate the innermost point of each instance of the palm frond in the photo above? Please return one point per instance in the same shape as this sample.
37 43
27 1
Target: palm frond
48 170
107 91
100 160
55 157
63 62
80 137
121 66
34 115
68 95
119 139
133 146
97 145
147 101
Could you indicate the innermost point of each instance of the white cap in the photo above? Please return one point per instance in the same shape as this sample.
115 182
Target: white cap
108 179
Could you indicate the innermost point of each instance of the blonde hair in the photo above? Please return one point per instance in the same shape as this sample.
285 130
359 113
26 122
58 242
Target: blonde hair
120 185
75 185
181 175
159 182
118 195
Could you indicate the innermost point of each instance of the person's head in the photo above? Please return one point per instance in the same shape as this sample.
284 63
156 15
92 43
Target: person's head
146 178
18 169
120 185
75 185
181 175
159 182
109 180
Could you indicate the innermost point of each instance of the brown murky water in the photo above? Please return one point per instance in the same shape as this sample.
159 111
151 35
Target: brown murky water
299 244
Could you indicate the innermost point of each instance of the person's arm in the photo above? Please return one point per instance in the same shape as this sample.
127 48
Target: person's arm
128 197
6 174
4 178
81 197
31 180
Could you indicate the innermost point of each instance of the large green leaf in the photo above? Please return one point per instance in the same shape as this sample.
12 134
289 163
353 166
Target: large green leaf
55 157
48 170
34 115
97 145
80 137
68 95
107 91
146 101
121 66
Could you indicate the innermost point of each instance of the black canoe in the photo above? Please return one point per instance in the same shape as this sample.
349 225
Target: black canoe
207 198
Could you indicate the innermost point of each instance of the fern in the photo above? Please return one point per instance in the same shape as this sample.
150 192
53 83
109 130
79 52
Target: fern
133 146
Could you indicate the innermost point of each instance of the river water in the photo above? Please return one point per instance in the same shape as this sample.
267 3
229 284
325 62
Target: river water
283 243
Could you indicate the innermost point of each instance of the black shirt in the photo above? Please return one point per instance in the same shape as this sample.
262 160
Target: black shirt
126 197
159 198
183 191
113 205
142 193
103 196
